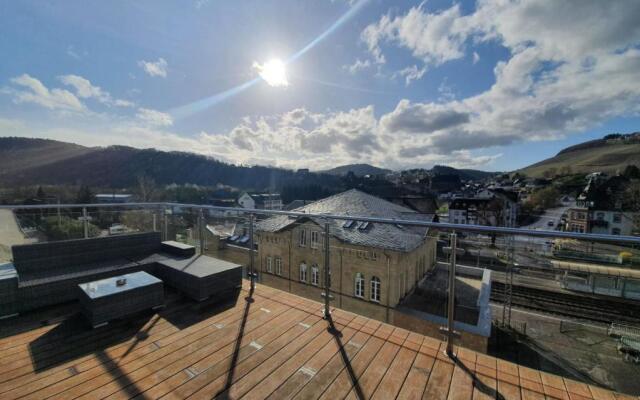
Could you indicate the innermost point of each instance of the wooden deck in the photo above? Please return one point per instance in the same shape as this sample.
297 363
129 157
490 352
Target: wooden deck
276 346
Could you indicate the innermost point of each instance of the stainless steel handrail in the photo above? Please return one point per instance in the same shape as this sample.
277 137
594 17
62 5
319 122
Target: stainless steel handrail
439 225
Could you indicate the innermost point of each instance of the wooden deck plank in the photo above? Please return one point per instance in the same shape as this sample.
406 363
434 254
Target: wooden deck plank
74 367
343 382
439 381
214 362
284 351
203 358
396 375
262 362
327 374
218 376
417 378
461 387
214 339
370 379
94 378
294 366
299 379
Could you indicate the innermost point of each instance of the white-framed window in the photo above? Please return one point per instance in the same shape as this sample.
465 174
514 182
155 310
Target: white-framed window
315 239
303 272
358 290
315 275
374 255
269 265
375 289
617 218
615 231
278 263
303 237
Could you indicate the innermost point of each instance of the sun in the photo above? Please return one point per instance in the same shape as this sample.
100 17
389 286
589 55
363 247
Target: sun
273 72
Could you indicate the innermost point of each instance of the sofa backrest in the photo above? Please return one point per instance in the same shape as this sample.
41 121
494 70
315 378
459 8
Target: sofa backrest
56 257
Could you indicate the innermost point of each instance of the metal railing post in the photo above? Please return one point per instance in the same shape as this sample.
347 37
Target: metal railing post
155 221
327 274
252 273
201 230
85 221
451 334
165 227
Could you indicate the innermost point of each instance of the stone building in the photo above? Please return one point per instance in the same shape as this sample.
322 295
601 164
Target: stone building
373 266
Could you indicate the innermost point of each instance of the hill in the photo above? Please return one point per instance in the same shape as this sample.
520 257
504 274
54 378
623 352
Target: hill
463 174
609 154
25 161
357 169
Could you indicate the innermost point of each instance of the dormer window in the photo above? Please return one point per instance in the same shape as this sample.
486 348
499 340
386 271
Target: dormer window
348 224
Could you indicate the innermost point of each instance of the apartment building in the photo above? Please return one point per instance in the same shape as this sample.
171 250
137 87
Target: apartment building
260 201
372 265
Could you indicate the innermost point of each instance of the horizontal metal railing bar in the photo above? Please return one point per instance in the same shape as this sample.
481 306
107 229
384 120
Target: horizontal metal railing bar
439 225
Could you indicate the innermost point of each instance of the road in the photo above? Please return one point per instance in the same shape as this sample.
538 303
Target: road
10 234
551 215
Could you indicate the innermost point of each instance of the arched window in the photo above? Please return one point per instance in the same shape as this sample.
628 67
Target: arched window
269 266
315 275
359 285
278 262
375 289
303 272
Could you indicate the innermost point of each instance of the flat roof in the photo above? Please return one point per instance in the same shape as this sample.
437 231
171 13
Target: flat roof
278 346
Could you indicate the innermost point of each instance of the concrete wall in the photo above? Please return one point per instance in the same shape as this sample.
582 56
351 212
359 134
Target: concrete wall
414 323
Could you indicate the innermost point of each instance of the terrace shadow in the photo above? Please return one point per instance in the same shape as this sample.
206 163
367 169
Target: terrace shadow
74 338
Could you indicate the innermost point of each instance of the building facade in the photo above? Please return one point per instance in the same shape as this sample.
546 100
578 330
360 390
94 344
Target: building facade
260 201
372 266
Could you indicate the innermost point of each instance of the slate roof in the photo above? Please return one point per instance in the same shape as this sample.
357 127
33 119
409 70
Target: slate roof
352 204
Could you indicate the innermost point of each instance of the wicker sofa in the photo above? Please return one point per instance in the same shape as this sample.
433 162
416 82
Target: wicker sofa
48 273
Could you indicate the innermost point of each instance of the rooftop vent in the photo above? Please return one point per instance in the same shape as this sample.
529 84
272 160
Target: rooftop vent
363 225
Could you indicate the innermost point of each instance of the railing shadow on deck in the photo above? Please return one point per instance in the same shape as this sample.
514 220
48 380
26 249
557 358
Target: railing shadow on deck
224 392
337 336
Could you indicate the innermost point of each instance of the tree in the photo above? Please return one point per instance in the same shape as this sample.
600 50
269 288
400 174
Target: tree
631 172
40 194
146 187
84 195
544 198
631 197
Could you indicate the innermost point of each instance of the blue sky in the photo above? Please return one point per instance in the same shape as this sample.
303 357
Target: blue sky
493 85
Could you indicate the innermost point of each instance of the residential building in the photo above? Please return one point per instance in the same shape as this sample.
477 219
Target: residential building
499 209
599 208
260 201
372 265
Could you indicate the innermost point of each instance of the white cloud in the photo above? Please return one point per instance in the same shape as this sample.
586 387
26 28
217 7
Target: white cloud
154 118
85 90
31 90
154 68
412 73
476 57
434 38
567 71
357 66
72 52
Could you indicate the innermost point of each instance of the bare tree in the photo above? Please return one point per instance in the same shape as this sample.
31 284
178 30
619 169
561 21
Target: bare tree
146 187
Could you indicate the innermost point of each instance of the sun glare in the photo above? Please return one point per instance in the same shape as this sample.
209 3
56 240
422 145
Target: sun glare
273 72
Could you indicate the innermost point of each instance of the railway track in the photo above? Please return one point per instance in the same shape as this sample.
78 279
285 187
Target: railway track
569 305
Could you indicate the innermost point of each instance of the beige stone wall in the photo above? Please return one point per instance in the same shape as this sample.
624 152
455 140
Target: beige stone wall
398 272
468 340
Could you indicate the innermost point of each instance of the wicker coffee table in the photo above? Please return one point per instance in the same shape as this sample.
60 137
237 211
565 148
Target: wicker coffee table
106 299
